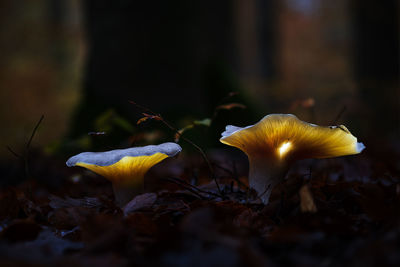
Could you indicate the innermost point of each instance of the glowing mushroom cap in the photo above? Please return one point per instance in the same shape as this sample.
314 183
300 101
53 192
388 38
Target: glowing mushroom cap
284 136
125 166
278 140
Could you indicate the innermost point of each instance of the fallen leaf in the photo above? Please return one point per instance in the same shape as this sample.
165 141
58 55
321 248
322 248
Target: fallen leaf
307 203
140 202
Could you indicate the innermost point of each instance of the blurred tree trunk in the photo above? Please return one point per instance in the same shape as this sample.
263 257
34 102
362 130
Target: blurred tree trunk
256 41
153 52
376 61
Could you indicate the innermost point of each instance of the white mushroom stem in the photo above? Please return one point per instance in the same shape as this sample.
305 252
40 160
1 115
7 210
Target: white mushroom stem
264 175
123 193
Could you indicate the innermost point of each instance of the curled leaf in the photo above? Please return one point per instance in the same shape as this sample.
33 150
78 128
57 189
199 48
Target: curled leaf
148 116
142 120
153 117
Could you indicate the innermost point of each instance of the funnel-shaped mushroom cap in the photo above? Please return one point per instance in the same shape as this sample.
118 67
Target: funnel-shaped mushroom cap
125 166
284 136
279 139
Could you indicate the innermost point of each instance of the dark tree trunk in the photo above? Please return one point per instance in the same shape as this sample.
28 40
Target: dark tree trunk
153 52
376 62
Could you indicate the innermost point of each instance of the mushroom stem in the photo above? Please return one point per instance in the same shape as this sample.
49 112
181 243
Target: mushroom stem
125 193
264 175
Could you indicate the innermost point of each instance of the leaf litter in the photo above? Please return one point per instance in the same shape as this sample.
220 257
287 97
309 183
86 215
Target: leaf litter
327 212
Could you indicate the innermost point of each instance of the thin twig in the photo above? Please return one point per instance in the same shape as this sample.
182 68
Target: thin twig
236 176
196 188
265 191
28 144
335 121
24 156
183 182
13 152
176 131
143 108
233 174
184 186
203 154
34 131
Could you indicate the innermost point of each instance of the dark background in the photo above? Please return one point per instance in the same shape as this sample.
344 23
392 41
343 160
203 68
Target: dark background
76 61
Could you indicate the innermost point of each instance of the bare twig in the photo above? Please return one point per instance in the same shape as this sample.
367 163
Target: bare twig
265 191
190 187
13 152
195 187
339 115
184 186
34 131
28 144
233 174
193 144
176 131
24 156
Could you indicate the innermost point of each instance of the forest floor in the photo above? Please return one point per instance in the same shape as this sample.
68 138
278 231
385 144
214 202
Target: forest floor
336 212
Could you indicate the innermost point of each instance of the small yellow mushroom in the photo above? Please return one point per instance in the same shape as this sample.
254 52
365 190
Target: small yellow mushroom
125 168
278 140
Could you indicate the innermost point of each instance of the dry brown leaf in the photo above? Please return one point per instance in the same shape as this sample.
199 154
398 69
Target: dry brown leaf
307 203
141 120
148 116
139 202
153 117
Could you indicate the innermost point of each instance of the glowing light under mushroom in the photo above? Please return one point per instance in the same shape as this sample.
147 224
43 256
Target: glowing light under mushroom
284 148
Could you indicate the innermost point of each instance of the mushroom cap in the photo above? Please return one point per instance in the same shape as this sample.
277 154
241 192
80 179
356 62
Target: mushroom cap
284 136
125 166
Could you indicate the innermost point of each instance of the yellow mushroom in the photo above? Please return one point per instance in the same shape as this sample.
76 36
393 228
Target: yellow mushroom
125 168
278 140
